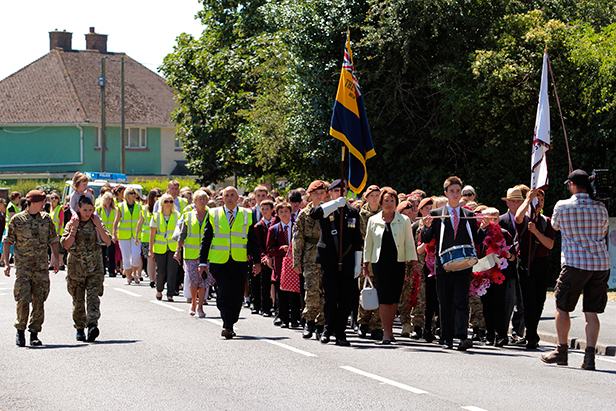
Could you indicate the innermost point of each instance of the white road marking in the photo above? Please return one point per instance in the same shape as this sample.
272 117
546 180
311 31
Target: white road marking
6 288
288 347
127 292
167 305
597 357
217 322
384 380
472 408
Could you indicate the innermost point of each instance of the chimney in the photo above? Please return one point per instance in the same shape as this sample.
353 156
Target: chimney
96 41
60 40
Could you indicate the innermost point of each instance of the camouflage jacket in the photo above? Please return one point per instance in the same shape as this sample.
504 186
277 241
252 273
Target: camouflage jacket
306 234
30 236
85 256
365 213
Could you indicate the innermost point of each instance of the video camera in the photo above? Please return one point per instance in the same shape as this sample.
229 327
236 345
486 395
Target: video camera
600 183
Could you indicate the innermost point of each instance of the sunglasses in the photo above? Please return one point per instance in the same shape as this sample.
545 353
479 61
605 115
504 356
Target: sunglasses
55 198
131 193
467 194
167 201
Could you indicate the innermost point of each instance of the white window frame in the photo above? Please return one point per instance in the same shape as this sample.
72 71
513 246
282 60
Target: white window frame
143 137
177 144
98 138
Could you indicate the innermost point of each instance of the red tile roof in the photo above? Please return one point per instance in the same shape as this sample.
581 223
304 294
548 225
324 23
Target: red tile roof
62 87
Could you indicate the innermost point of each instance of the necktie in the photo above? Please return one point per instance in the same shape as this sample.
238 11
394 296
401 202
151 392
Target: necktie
456 222
231 218
286 234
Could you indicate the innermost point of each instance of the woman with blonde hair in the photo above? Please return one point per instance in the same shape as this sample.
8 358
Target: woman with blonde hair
163 246
128 218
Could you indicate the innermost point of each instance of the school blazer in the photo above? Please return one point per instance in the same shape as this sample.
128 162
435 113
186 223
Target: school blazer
401 228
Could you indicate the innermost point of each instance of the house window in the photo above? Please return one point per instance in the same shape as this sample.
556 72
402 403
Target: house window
136 138
99 138
178 144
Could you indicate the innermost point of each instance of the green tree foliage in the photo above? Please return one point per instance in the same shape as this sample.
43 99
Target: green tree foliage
450 87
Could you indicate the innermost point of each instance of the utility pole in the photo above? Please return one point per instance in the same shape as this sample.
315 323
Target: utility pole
123 149
101 82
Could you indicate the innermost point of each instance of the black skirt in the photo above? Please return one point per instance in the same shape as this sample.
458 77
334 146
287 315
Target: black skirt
388 271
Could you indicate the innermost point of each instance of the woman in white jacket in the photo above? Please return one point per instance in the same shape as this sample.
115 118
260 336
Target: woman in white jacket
388 245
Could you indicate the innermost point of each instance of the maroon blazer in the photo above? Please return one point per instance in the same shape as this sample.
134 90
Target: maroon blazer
275 244
261 232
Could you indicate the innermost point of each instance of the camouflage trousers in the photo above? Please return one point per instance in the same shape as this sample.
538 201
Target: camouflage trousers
418 313
313 300
403 308
371 318
88 287
476 312
31 287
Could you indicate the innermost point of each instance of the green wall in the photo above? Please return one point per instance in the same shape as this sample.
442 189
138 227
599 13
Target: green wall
50 144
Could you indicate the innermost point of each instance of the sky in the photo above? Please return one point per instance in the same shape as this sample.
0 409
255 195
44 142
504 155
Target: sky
144 30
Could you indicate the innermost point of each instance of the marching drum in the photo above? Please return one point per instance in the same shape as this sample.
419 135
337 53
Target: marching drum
459 257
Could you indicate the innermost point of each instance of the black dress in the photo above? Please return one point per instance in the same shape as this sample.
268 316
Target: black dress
388 271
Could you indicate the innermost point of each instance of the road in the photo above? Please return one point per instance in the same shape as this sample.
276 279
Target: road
153 356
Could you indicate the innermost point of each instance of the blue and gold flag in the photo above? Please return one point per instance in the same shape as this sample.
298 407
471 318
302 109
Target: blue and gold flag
350 125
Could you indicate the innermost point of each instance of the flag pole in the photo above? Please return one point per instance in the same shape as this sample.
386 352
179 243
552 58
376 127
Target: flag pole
562 119
343 184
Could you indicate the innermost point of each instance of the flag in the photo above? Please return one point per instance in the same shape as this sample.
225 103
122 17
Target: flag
541 138
350 125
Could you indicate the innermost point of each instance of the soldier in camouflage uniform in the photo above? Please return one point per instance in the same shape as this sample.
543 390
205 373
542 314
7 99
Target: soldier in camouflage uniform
369 320
86 272
31 232
306 233
478 323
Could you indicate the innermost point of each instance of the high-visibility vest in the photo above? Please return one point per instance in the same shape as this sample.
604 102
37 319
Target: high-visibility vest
164 232
194 235
183 204
55 216
127 228
8 217
229 240
145 228
107 219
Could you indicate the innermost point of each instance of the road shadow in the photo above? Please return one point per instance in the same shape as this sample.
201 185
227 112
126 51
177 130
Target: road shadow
103 342
52 346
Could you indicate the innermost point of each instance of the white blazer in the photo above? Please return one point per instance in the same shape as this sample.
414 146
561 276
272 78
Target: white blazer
402 233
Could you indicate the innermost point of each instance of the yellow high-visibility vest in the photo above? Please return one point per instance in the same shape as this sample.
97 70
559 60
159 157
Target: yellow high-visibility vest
107 219
164 232
55 216
229 240
127 228
194 235
145 228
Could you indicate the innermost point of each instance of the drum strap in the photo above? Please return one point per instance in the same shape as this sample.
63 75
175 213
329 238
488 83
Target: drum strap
440 244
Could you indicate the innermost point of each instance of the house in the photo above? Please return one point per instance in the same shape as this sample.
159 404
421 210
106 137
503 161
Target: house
50 114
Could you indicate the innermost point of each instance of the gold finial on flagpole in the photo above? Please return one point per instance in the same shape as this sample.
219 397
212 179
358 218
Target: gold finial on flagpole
348 34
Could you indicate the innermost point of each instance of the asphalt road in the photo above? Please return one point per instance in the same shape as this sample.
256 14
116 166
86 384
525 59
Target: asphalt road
153 356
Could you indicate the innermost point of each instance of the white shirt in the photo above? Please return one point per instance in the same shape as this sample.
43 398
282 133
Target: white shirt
450 211
227 212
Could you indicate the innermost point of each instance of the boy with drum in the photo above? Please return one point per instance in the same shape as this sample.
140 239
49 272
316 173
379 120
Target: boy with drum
456 232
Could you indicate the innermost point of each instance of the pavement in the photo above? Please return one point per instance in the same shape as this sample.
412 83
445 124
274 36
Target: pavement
606 345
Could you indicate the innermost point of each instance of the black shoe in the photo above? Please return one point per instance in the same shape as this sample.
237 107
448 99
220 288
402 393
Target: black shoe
253 311
228 334
324 339
308 329
267 314
277 321
476 336
447 345
343 343
501 342
152 283
284 325
465 344
532 345
294 324
112 275
376 334
81 335
20 340
246 304
417 333
34 340
428 336
362 331
93 332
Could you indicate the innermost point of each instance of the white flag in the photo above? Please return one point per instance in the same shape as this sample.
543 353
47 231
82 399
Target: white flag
541 139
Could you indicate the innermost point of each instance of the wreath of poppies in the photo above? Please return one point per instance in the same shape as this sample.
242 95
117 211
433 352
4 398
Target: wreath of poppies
494 243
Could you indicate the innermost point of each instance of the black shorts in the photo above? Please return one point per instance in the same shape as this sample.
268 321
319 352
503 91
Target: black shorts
572 281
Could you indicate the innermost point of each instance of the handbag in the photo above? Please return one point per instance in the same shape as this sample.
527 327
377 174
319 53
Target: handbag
289 279
369 298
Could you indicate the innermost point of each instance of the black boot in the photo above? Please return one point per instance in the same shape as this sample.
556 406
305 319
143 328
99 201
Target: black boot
376 335
319 332
21 338
362 331
34 340
476 336
417 333
308 329
93 332
81 335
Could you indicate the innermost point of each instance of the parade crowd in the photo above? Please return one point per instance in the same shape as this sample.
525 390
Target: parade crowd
308 259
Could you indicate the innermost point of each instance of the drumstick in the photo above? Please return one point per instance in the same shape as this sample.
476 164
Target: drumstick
477 217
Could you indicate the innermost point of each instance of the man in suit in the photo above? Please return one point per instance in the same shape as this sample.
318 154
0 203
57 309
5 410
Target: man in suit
338 276
453 286
514 199
227 238
261 282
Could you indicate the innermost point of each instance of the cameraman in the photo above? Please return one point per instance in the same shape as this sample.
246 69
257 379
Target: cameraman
585 262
